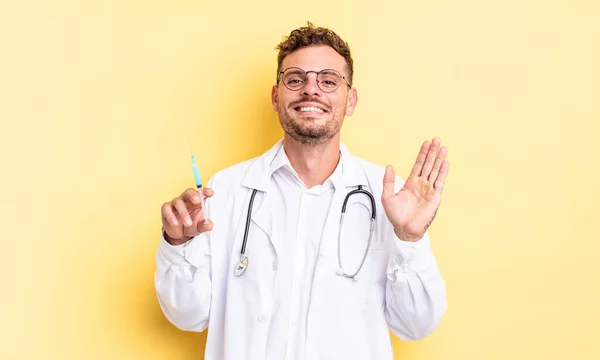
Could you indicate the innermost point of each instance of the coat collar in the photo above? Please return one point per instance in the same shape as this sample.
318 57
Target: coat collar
259 174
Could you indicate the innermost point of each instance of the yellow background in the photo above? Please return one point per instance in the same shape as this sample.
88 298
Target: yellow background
97 99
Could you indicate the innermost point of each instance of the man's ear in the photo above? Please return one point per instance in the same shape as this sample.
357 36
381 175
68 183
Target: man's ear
351 102
275 98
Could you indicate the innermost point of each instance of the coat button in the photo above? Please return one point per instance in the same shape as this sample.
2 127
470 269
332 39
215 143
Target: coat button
399 259
263 318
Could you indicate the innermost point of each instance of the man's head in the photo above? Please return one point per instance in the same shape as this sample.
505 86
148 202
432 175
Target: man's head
313 92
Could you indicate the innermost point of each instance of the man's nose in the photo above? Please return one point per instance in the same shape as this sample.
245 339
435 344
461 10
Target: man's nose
311 87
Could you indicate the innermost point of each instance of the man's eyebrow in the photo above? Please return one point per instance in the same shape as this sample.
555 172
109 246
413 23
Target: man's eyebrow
332 71
294 69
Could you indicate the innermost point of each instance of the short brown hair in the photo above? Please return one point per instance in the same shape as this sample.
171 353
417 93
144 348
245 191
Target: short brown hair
311 36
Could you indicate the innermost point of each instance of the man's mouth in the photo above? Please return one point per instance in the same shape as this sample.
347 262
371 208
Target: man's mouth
309 109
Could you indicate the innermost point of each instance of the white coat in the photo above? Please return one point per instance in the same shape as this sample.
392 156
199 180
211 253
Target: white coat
399 287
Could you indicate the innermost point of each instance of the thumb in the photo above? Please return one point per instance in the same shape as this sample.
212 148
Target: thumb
206 225
389 178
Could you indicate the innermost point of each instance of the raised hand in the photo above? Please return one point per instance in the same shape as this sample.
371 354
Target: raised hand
412 209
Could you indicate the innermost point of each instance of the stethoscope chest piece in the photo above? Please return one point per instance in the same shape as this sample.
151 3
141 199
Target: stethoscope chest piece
241 266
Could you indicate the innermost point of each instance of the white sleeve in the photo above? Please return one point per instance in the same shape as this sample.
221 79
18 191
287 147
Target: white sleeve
183 279
183 282
415 292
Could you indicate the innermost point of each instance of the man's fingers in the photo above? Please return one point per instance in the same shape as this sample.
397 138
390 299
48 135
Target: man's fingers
431 155
418 167
184 216
192 198
441 179
438 163
182 212
208 192
389 178
171 225
168 216
203 226
199 224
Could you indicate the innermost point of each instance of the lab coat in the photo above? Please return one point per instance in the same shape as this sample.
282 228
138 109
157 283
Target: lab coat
399 287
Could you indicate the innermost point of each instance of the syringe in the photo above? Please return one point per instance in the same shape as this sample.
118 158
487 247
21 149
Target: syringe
198 181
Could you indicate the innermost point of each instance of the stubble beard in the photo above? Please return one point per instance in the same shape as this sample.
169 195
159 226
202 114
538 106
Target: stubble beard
306 132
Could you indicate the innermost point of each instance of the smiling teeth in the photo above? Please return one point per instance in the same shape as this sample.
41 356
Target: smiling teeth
311 109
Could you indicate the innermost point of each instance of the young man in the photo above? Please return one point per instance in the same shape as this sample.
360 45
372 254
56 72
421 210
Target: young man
276 276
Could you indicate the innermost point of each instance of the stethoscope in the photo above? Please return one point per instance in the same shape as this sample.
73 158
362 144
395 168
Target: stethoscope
243 264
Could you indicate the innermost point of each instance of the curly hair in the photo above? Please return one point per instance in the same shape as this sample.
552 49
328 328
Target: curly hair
310 36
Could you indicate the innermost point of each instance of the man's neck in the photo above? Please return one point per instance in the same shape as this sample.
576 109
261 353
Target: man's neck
313 163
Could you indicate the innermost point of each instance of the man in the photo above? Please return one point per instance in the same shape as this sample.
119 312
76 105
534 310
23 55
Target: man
275 276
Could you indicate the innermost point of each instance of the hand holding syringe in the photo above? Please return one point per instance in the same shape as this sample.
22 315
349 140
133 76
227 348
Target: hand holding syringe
183 217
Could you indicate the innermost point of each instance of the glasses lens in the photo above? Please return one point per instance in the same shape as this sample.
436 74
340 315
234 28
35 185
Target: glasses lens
329 80
293 78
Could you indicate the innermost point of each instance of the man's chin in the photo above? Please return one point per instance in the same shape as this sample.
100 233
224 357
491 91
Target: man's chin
309 137
310 131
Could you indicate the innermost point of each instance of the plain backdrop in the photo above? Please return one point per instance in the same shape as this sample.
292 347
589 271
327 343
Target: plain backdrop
98 98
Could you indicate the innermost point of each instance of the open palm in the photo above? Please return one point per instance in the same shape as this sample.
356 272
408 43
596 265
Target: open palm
412 209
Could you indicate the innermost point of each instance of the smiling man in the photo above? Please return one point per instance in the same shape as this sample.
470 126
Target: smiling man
313 253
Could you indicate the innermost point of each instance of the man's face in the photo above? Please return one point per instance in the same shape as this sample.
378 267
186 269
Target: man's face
310 115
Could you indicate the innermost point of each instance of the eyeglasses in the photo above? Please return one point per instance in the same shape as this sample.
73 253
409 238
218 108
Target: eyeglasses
328 80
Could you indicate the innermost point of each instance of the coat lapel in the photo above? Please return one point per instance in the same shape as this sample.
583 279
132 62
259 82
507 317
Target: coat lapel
258 177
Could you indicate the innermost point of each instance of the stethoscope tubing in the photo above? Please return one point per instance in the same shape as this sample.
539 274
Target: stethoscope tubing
360 190
248 218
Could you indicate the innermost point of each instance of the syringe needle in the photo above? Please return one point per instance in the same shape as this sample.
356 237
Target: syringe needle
190 145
